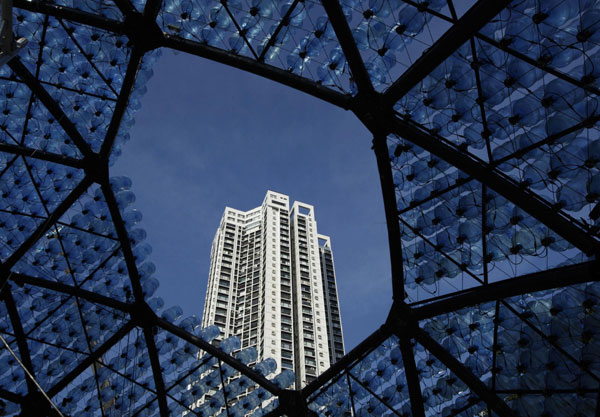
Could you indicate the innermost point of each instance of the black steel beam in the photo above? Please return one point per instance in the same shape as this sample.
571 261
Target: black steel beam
43 228
159 382
388 191
359 352
53 107
219 354
135 61
126 7
41 155
461 371
92 297
6 30
344 36
138 295
277 412
195 48
267 71
494 180
292 404
412 376
472 21
91 359
452 9
11 396
73 15
123 236
152 8
531 283
284 22
17 326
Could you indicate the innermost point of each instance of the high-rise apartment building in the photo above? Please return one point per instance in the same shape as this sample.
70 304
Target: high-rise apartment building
332 309
273 284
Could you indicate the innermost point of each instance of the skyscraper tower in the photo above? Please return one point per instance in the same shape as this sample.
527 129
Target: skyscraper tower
332 309
273 284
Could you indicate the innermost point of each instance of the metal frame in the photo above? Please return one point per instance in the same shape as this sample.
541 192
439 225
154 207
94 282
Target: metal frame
531 283
412 377
376 111
462 31
9 47
391 214
506 187
15 320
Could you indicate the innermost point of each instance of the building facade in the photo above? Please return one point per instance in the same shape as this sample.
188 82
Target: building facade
332 308
272 283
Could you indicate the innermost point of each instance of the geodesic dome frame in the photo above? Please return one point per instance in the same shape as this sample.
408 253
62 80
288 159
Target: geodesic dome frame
484 117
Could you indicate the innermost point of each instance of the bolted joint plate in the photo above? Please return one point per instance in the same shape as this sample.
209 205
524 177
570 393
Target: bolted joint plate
293 404
142 315
35 404
401 318
96 168
143 31
374 112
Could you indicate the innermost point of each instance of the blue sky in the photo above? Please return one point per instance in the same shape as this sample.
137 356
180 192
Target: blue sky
210 136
